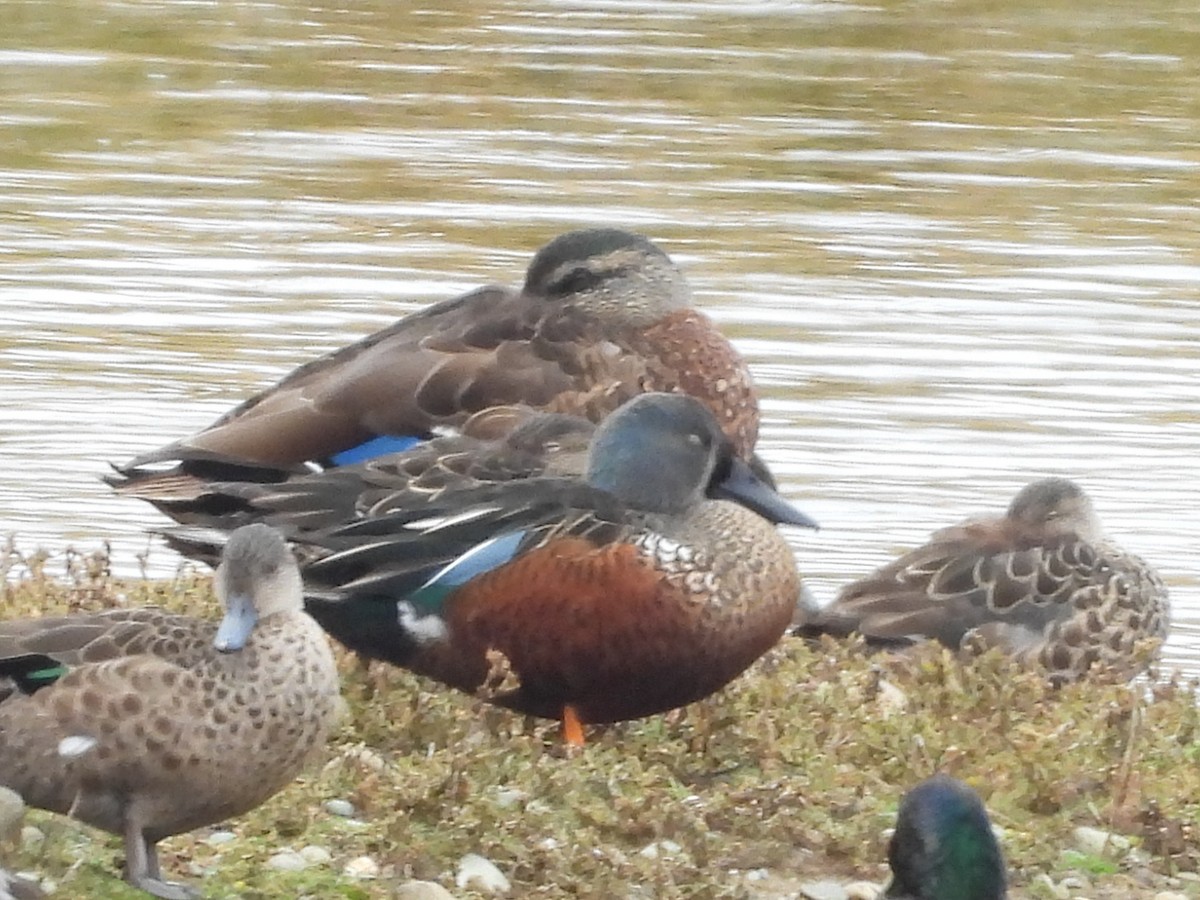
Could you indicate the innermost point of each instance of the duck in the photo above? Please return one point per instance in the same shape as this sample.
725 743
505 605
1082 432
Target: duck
146 723
1042 583
603 315
648 582
943 847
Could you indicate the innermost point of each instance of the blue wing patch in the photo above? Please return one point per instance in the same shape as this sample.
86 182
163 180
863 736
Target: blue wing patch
376 446
483 557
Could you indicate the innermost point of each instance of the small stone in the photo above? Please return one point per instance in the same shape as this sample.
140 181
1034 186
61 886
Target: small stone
660 848
1170 895
422 890
217 838
509 797
891 699
365 757
1058 892
482 874
863 890
343 808
361 867
288 861
315 855
823 890
32 837
1096 842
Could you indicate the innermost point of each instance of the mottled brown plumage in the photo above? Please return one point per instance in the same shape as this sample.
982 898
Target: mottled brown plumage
603 315
1042 583
147 724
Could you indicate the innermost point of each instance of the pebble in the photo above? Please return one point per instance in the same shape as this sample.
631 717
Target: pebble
1058 892
361 867
361 756
482 874
660 848
1096 842
509 797
823 890
863 890
343 808
288 861
32 837
422 890
1170 895
891 699
315 855
217 838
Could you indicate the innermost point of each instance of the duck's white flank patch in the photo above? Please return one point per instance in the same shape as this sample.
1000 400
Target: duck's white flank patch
426 629
75 745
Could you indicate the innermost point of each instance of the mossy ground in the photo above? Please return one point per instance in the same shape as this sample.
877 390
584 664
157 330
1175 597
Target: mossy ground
792 773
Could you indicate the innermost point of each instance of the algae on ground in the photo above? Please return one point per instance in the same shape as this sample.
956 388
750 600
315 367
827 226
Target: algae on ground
792 773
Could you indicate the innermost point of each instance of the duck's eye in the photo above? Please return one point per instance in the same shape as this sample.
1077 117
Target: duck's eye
576 281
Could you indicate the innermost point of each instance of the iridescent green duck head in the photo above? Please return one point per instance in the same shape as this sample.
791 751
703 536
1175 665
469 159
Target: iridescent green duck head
944 848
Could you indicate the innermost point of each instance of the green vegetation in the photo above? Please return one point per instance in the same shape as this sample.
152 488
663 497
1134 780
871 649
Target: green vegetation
791 774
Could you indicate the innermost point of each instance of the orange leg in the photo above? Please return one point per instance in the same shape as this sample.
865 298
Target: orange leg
572 726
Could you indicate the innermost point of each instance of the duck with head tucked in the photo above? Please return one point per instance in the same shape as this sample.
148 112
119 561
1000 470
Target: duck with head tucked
147 724
1041 582
645 584
603 315
943 847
